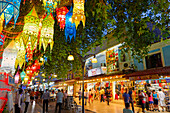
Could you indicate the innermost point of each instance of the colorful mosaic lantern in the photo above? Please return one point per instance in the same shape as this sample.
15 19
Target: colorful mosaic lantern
31 29
61 13
10 8
17 78
70 28
47 32
78 12
2 39
22 75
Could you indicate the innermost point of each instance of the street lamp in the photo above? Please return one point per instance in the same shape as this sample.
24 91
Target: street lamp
83 61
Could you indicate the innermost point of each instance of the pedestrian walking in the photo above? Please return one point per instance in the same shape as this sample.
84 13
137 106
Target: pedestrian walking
131 99
17 109
21 101
107 96
59 98
65 99
143 101
32 96
45 97
90 96
80 94
102 95
37 93
85 96
27 101
161 96
126 98
150 98
155 100
127 110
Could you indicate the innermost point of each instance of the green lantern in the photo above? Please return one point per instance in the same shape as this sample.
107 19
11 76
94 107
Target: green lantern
22 74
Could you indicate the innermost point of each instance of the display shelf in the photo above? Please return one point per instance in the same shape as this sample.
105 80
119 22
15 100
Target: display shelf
3 101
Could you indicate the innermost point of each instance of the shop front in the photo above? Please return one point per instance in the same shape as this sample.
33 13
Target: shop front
150 80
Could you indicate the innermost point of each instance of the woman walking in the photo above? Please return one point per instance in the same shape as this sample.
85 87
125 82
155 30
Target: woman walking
150 97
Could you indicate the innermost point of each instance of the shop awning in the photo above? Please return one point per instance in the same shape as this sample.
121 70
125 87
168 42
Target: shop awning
154 71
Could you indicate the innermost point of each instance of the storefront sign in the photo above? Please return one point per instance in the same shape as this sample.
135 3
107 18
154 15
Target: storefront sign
93 72
104 70
144 77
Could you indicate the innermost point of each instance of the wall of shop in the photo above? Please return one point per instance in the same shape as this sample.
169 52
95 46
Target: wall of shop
139 65
166 54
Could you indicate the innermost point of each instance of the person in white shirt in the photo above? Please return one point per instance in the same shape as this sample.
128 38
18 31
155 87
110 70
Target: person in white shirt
80 95
59 97
161 97
86 96
20 100
27 101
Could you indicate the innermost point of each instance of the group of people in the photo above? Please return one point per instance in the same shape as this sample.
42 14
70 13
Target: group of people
26 97
147 100
91 95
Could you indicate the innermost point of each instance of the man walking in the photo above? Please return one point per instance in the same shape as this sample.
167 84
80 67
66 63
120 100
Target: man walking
126 98
59 101
102 95
161 97
45 97
131 100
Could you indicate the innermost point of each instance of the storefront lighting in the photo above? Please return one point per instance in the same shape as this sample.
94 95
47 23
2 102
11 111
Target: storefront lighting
110 77
55 76
70 58
116 76
43 79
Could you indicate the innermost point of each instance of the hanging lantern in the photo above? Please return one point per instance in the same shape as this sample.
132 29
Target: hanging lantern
47 32
2 39
61 12
29 52
78 12
34 68
20 60
49 6
9 56
31 29
17 78
70 28
26 79
1 22
10 8
22 75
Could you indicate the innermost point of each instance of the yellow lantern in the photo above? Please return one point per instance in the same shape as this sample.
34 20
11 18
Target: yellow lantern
1 22
78 12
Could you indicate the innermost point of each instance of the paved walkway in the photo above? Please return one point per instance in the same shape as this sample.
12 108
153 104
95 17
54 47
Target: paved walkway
95 107
115 107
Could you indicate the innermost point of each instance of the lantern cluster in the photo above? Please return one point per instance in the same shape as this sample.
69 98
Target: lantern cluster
10 8
61 13
2 39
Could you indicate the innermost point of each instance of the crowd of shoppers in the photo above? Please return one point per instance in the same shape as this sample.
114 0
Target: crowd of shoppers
147 100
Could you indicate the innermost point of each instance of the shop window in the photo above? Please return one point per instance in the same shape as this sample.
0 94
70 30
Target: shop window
153 61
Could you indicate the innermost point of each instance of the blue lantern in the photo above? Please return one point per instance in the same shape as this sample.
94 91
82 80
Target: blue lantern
10 8
70 28
22 74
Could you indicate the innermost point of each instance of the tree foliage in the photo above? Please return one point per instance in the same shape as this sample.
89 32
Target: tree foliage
125 19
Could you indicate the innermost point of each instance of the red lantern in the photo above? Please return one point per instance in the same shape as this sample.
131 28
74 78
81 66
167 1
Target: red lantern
61 13
34 68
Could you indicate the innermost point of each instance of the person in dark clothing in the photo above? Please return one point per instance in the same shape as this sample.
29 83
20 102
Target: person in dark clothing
131 100
107 96
126 98
45 97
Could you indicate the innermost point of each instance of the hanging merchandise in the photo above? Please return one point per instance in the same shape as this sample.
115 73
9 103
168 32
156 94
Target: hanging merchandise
17 78
9 56
10 8
20 60
78 12
1 22
31 28
22 75
2 39
70 28
61 13
47 32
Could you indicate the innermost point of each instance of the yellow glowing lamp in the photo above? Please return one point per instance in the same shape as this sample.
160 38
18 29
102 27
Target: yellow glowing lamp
70 58
78 12
26 79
